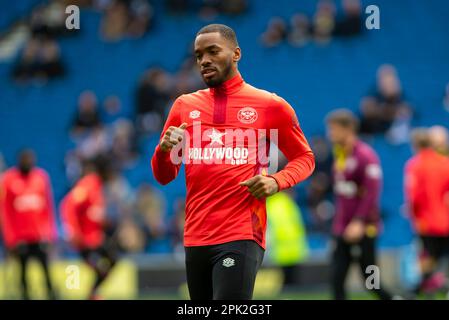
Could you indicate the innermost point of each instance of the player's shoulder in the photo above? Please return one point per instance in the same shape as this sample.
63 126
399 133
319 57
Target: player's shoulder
411 163
90 179
271 99
10 174
85 186
194 97
366 152
40 172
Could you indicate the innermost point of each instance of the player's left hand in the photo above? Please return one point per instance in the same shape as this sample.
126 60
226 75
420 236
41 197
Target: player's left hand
354 232
261 186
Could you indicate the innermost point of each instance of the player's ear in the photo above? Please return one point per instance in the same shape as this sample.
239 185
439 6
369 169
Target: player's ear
237 54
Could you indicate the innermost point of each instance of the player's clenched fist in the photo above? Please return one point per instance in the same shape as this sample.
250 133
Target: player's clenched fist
172 137
261 186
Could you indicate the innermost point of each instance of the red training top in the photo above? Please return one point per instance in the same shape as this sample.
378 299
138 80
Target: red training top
26 207
83 212
227 139
427 192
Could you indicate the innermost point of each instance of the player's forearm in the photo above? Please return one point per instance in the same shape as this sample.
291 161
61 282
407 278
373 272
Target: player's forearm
296 170
164 170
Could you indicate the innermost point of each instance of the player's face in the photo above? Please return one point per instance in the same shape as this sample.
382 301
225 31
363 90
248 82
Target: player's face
336 133
216 57
26 162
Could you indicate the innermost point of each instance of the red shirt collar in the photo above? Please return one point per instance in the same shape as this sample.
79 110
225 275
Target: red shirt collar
230 86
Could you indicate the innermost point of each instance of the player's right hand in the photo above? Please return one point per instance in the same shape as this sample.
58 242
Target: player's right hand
172 137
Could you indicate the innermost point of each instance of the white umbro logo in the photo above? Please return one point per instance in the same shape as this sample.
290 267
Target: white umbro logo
194 114
228 262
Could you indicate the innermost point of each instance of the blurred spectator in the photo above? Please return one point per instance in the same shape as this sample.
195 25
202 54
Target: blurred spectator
399 131
209 9
95 143
115 21
319 189
385 104
123 149
141 18
120 131
152 97
41 57
119 198
233 7
324 21
2 164
88 116
112 109
439 139
38 25
446 98
177 6
40 60
275 33
125 18
92 137
73 169
49 20
299 30
51 64
130 237
187 79
149 208
323 25
351 22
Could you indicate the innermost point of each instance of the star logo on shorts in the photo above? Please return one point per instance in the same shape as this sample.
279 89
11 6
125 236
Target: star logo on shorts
215 136
228 262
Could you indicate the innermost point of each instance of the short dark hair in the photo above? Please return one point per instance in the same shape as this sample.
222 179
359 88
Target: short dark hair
344 118
420 138
225 31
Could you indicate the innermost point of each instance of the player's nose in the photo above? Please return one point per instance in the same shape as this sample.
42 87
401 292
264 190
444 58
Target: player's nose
205 61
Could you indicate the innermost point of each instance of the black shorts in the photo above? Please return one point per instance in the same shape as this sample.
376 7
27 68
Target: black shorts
224 271
436 247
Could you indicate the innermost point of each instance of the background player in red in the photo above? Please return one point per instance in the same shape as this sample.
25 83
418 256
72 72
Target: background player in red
27 215
357 187
426 187
224 235
83 215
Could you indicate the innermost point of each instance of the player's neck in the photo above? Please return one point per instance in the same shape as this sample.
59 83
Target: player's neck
233 84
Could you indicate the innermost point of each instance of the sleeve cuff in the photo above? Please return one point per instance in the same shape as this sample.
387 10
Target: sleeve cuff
277 181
